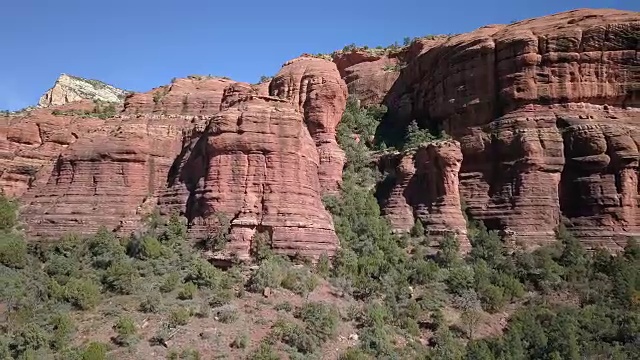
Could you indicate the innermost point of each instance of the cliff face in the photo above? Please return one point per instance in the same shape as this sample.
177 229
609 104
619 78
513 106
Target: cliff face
370 73
68 89
199 146
546 112
256 163
423 185
315 88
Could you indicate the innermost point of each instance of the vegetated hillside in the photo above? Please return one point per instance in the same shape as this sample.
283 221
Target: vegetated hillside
383 296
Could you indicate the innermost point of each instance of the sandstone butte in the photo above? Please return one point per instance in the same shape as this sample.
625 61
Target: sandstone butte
201 146
544 115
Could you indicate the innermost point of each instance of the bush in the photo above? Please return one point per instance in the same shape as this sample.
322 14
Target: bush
294 336
31 337
221 297
271 273
204 275
204 310
284 306
146 248
179 316
323 266
417 230
492 297
240 342
300 280
460 279
120 277
227 314
126 331
354 354
321 320
105 249
13 251
8 211
170 282
95 351
415 136
188 291
264 352
62 330
84 294
151 303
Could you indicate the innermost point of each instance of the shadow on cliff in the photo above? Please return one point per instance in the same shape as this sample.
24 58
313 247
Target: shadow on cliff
188 170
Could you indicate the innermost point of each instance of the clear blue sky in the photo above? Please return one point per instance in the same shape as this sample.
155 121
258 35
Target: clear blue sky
140 44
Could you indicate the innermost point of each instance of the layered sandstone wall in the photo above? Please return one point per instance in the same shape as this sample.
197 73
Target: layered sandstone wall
257 164
200 146
546 114
422 184
315 88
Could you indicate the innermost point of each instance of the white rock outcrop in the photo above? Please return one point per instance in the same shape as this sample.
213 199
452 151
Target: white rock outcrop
70 88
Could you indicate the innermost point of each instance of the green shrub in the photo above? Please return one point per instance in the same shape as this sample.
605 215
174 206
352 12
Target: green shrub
264 352
323 267
204 275
240 342
105 248
218 235
460 279
151 303
62 331
418 229
84 294
188 291
179 316
170 282
295 336
492 297
220 297
422 271
8 209
13 251
284 306
271 273
300 280
29 338
204 310
227 314
95 351
354 354
61 268
321 320
121 277
126 331
146 248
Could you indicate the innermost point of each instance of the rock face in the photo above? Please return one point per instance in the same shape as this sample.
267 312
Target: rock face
545 114
423 184
315 88
200 146
546 111
69 89
256 163
30 143
194 95
107 177
370 73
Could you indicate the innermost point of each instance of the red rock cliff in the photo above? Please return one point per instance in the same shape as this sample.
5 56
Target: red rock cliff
315 88
423 183
546 114
256 163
